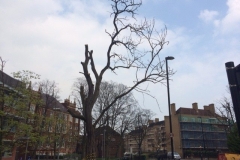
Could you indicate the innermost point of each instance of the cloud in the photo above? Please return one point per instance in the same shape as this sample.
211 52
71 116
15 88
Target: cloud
208 16
231 22
48 37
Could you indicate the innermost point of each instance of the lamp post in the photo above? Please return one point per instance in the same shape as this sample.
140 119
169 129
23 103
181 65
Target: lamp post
104 143
139 136
170 119
204 148
26 150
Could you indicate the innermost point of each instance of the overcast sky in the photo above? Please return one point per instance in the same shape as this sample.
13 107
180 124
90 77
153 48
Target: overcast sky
48 37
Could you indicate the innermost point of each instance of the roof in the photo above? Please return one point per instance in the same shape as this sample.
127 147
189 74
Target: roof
52 102
136 131
74 113
9 81
199 112
160 123
49 101
108 129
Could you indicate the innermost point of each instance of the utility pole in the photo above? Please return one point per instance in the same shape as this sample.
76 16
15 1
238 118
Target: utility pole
169 109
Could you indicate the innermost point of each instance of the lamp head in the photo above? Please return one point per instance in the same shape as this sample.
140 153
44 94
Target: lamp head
169 58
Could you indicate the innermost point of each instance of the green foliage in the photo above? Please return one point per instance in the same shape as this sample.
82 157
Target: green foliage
233 141
15 111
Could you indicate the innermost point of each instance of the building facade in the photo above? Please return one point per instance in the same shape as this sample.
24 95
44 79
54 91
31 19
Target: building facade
152 137
109 143
196 131
59 132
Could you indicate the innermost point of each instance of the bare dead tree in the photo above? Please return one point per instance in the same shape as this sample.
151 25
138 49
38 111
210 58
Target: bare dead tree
141 123
120 116
226 109
146 62
48 92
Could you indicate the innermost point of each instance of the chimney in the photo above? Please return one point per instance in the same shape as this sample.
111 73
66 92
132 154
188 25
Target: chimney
150 121
173 109
206 108
195 106
211 108
156 119
67 101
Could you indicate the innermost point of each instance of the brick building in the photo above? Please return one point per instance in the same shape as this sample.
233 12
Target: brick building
109 143
60 130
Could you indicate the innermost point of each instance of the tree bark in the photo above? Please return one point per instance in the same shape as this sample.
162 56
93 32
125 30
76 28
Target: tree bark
90 144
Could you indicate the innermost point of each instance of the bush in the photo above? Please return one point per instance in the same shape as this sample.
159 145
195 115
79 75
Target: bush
142 157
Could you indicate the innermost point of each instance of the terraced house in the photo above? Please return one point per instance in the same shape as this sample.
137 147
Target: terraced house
34 123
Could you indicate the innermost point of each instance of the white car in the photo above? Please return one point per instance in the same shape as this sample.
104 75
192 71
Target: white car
175 154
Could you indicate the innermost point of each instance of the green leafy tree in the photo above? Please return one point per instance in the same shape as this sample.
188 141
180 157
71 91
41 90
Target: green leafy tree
48 93
16 99
233 141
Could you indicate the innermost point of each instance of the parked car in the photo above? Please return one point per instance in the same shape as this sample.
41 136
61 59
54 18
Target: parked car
175 154
127 155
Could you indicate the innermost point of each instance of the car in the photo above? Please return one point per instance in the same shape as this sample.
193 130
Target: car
127 155
175 154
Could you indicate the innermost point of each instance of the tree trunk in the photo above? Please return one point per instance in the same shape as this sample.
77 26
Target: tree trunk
90 144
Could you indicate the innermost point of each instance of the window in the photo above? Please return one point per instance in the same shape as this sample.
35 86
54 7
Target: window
30 120
57 144
7 153
76 120
32 108
192 119
13 129
198 120
50 128
64 128
58 127
43 111
70 118
206 121
184 119
48 142
65 117
63 143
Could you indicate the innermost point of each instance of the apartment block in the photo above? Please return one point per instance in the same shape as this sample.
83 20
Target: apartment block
152 137
195 130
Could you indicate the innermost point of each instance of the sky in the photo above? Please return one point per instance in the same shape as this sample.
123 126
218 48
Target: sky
48 38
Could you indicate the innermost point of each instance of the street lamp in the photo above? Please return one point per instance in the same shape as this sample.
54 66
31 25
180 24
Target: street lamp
204 148
170 119
26 150
104 143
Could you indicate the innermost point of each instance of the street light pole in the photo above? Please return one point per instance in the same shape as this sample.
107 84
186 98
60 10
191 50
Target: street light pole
26 149
104 143
170 118
138 138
